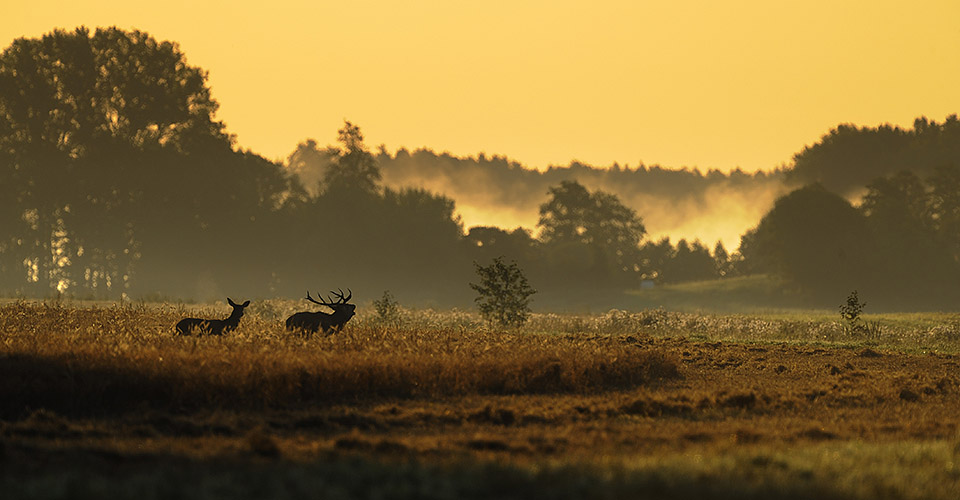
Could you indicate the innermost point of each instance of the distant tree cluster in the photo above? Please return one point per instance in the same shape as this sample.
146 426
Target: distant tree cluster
499 181
666 198
901 242
687 261
591 240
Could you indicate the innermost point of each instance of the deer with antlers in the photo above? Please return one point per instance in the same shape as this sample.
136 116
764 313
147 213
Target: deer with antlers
309 322
213 326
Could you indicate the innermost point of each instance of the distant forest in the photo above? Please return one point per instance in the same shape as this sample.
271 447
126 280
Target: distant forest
116 180
672 201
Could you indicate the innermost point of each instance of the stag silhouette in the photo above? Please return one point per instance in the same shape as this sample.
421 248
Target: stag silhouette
310 322
213 326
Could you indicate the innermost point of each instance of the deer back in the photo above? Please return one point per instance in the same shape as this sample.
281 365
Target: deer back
213 326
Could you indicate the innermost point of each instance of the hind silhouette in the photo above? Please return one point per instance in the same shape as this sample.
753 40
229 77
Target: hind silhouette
213 326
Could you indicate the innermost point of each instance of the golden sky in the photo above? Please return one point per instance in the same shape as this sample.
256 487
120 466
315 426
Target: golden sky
678 83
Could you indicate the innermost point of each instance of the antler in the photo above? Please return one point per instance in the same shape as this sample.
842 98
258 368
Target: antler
343 300
311 299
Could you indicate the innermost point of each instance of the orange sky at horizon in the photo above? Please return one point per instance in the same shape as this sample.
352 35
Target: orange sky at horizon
745 83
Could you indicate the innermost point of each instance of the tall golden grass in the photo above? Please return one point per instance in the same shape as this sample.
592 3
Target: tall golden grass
90 358
117 358
425 403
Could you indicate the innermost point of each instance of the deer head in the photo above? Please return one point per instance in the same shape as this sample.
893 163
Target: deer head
237 306
340 307
231 322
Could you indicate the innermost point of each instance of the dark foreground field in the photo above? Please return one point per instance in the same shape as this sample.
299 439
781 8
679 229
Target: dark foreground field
106 403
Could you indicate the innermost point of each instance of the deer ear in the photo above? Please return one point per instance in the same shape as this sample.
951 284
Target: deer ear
230 302
247 303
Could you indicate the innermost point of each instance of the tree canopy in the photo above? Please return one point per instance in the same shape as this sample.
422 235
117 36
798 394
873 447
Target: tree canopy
354 170
98 130
594 231
849 157
812 238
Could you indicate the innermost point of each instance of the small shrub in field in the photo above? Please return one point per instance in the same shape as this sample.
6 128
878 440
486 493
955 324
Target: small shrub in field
850 312
504 293
388 309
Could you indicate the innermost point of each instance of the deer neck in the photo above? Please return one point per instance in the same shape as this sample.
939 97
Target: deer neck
234 316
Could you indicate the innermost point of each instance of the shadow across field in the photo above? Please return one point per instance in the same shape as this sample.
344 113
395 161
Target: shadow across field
93 386
72 387
91 473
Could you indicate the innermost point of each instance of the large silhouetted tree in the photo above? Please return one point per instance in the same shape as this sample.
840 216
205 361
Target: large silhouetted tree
593 233
354 169
117 158
814 240
77 112
905 219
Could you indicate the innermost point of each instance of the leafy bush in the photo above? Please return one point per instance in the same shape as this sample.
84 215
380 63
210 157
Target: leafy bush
388 309
850 312
504 293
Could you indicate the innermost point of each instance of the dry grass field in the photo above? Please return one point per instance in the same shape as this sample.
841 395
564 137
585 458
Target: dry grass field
103 401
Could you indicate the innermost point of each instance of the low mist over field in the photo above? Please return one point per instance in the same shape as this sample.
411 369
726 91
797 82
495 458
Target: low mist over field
497 191
681 204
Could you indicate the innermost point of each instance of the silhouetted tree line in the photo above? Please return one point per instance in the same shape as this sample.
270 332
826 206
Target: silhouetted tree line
849 157
898 241
497 180
115 178
670 200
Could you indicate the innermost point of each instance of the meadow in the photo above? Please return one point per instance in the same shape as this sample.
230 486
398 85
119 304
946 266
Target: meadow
103 400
